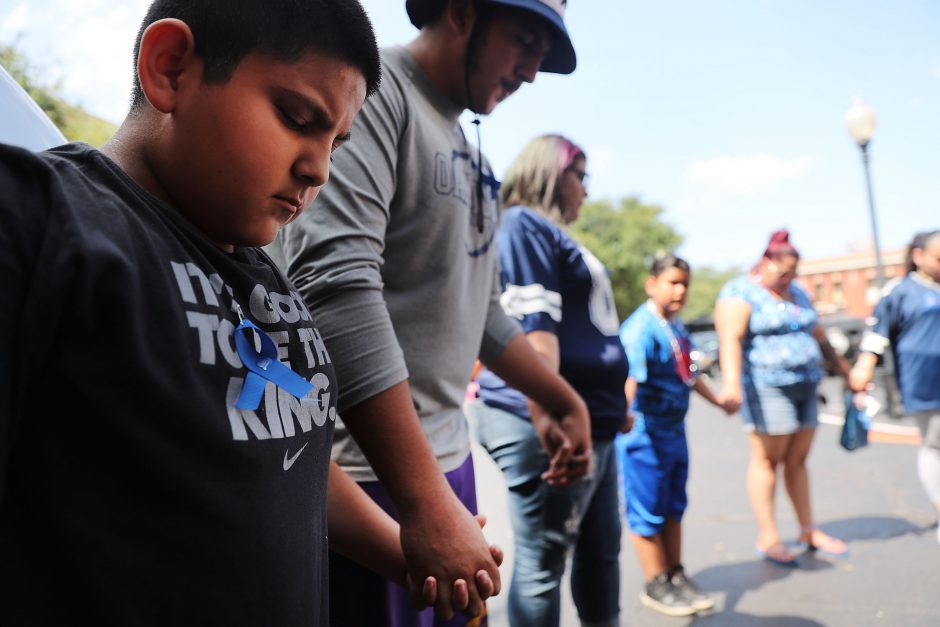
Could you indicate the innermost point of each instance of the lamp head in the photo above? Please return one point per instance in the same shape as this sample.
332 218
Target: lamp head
860 122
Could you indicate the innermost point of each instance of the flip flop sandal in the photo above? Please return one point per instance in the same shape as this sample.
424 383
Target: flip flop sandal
778 554
830 546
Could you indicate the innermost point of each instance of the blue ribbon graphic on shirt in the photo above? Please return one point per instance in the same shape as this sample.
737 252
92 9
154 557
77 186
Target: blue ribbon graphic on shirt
263 366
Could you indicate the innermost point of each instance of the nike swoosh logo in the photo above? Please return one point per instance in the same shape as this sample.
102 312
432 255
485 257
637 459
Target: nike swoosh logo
289 461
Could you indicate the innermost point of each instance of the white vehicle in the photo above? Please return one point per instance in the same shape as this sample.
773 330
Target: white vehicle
22 122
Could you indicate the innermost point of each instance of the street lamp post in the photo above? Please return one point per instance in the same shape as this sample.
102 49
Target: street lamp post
860 121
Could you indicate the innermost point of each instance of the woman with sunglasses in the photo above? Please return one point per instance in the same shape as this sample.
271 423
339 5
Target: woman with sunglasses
771 349
561 295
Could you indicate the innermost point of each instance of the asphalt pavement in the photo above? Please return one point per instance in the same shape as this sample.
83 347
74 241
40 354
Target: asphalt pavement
871 498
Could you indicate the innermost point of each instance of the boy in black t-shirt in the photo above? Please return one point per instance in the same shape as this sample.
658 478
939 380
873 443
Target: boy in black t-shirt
166 401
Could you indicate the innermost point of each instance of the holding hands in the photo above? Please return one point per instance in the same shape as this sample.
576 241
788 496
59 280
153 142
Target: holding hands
730 398
459 594
568 444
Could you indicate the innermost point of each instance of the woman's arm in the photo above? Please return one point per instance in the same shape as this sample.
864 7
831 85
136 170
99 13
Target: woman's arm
835 360
559 415
862 372
731 320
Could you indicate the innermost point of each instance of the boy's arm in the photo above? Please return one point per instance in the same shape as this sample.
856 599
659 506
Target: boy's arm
439 536
705 391
361 530
558 412
629 390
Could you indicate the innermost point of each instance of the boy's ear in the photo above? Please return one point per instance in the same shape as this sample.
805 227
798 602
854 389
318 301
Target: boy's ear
166 58
649 284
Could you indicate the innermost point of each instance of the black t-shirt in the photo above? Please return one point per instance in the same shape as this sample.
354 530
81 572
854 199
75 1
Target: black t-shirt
132 491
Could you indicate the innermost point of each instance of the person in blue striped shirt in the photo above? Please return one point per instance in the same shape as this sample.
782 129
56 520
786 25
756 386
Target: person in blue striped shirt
908 320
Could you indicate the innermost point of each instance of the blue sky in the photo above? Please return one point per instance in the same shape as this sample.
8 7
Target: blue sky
729 114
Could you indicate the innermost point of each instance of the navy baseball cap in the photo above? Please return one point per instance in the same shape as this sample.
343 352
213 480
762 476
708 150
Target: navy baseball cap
560 59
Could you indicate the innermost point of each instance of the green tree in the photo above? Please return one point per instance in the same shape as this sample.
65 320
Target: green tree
74 122
625 238
703 291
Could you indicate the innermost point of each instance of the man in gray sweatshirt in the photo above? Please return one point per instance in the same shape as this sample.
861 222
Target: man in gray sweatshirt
400 245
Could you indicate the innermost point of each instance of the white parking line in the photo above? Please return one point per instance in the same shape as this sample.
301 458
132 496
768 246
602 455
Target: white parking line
879 427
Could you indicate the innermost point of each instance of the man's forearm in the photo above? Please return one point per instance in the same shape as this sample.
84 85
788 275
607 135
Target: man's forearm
388 431
439 536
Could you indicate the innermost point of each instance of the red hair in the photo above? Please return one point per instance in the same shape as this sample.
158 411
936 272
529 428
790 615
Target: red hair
780 246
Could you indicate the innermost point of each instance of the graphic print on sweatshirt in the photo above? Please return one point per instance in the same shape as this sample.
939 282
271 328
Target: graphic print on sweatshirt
456 175
212 310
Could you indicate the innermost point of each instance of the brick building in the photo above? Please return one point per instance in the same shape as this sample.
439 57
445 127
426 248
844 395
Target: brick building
848 284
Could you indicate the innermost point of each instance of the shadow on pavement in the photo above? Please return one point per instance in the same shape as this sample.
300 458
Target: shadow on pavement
873 528
737 579
747 620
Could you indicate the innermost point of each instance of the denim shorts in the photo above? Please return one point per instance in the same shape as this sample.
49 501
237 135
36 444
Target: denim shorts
779 410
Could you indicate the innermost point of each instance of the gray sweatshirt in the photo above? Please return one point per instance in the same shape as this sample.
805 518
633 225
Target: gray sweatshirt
390 257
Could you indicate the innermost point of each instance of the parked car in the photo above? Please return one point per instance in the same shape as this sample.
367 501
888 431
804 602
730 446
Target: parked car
704 354
22 122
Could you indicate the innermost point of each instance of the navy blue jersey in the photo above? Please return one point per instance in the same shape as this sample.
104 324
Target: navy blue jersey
662 396
908 318
550 283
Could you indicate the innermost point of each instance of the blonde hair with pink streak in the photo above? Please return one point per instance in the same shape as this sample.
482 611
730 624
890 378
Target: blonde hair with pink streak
534 178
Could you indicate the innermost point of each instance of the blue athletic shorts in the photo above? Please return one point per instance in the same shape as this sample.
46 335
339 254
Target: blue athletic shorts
655 469
779 410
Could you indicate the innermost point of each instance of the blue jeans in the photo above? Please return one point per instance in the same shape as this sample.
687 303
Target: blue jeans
549 521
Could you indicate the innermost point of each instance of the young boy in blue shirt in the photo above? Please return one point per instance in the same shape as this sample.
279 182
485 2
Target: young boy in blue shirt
654 455
166 401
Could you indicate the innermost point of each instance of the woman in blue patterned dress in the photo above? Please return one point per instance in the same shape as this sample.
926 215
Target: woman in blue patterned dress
771 349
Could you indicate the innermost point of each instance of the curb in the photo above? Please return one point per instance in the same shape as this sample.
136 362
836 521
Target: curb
880 431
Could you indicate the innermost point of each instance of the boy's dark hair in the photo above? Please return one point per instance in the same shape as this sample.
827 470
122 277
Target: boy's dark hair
226 32
663 262
920 241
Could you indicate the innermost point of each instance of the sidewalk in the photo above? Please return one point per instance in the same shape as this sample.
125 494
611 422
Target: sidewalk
871 498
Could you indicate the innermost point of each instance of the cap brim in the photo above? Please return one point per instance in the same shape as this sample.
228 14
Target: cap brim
561 59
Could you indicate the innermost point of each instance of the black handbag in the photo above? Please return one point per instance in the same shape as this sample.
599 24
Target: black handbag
855 428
